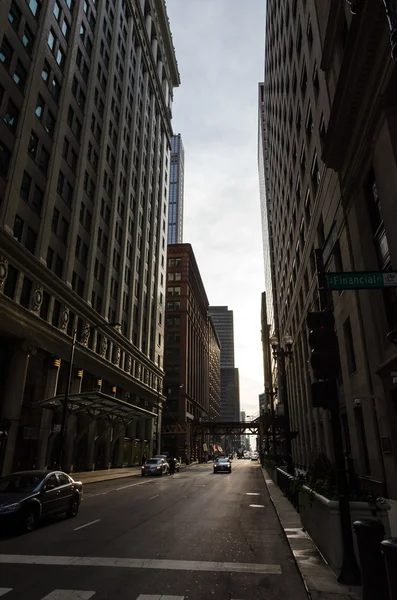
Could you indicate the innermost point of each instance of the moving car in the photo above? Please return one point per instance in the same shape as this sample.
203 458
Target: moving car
30 496
167 458
155 466
222 465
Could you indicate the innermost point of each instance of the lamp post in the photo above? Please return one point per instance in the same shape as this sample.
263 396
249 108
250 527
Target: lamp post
68 383
280 353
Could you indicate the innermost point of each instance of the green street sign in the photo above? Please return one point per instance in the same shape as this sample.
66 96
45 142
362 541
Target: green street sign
361 280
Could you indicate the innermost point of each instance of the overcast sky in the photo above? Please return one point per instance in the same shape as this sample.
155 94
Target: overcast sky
220 51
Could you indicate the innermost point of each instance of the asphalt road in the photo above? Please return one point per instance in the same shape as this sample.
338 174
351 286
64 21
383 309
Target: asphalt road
190 536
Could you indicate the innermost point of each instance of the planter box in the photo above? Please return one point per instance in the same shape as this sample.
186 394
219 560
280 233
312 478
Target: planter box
322 522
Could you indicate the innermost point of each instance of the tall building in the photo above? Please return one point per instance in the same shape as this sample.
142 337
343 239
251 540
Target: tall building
176 191
330 168
86 91
214 397
187 353
222 319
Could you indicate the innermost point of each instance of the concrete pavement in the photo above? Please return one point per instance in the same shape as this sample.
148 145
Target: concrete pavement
191 536
319 579
87 477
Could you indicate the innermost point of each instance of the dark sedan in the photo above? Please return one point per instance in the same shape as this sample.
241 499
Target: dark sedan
222 465
29 496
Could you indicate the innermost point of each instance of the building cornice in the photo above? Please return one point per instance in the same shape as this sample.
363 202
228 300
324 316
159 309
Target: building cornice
28 264
167 38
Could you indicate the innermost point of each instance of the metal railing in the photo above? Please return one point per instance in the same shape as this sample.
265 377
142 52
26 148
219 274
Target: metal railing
285 482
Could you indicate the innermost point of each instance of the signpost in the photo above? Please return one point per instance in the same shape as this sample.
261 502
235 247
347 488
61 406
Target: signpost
361 280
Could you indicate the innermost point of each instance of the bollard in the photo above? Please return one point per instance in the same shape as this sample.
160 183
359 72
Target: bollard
389 551
373 570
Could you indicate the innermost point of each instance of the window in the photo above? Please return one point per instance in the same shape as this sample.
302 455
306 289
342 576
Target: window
61 182
34 6
50 123
11 116
33 144
55 88
45 74
39 107
5 157
30 240
55 220
65 149
14 16
64 231
20 75
44 160
65 29
37 201
58 269
25 186
18 228
57 10
51 40
28 39
50 257
5 53
349 344
60 58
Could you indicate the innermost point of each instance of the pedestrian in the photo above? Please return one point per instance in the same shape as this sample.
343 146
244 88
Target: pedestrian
143 458
172 465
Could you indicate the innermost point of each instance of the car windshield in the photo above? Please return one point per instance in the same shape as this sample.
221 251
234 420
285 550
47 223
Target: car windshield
223 460
153 461
20 483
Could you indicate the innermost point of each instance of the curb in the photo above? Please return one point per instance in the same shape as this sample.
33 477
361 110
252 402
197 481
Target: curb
286 537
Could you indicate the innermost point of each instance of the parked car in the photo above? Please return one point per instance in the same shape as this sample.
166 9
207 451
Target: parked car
30 496
222 465
155 466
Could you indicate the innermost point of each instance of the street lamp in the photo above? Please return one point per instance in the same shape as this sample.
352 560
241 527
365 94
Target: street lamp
68 383
280 353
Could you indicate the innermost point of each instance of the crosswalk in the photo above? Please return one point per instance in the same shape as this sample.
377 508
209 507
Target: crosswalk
86 595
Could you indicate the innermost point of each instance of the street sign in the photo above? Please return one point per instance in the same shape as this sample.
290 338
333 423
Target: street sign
361 280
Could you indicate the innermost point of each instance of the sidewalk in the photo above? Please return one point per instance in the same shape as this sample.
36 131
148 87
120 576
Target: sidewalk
319 579
87 477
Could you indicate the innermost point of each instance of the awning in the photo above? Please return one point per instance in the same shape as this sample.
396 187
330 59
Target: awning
98 406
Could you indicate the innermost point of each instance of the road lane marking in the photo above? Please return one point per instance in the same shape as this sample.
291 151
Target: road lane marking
252 494
87 524
4 591
156 496
141 563
257 505
69 594
157 597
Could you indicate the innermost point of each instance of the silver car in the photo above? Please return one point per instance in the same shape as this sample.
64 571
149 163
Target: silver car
155 466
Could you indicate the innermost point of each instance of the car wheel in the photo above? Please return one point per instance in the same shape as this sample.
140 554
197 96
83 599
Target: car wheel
143 474
74 507
30 520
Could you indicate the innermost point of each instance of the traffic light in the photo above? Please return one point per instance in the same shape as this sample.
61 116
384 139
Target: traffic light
324 357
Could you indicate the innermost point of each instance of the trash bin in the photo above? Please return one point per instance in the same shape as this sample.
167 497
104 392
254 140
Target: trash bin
389 551
372 564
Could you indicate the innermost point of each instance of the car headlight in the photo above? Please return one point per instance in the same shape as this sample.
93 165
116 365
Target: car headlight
8 508
158 467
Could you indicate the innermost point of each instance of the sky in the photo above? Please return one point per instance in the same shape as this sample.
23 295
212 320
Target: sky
219 47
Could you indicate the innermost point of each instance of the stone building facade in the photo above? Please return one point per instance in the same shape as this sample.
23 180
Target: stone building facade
86 92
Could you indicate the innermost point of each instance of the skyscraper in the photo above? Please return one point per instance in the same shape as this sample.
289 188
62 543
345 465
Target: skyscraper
86 91
222 319
329 170
177 174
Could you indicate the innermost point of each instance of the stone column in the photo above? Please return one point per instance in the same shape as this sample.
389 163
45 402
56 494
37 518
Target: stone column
131 432
89 464
142 437
75 388
108 447
12 401
149 436
46 414
120 433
